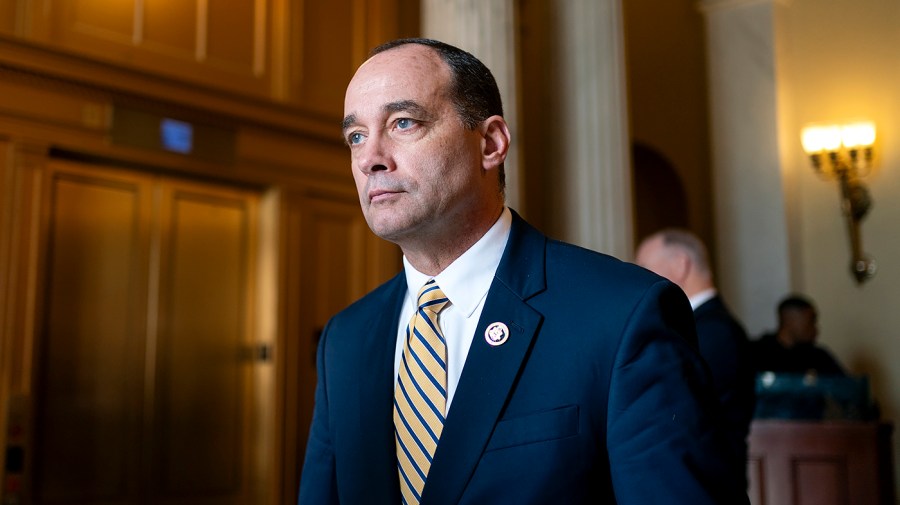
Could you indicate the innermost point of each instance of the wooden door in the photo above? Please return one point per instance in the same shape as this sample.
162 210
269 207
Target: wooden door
149 368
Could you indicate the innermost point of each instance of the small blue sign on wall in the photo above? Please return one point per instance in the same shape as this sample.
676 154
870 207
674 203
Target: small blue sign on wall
176 136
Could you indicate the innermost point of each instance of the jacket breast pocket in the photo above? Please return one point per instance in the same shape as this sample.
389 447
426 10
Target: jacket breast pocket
536 427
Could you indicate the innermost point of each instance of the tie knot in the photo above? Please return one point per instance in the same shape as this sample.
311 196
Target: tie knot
431 298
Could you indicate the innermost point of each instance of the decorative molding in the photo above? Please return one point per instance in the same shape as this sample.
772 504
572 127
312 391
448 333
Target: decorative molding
119 83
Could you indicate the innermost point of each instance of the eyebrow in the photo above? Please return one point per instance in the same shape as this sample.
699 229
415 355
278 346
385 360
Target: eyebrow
390 108
348 121
405 106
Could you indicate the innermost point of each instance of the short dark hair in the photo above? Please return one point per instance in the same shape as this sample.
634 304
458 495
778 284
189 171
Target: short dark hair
473 90
794 303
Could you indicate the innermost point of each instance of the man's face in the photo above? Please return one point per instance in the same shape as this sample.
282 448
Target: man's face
417 168
805 326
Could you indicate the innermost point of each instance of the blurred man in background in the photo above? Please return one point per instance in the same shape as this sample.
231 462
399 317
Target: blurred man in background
681 257
792 348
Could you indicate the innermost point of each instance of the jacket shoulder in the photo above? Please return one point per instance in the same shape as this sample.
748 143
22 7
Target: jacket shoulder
378 300
604 272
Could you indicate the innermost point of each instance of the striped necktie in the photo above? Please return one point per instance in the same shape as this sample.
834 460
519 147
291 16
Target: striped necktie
421 396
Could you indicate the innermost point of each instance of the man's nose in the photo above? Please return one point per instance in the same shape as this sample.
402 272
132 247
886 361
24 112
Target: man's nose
375 155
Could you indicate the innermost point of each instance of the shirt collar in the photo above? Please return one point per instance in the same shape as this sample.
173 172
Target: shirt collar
467 280
702 297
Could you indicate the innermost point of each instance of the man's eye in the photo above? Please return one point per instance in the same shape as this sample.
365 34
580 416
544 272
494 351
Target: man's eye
404 123
354 138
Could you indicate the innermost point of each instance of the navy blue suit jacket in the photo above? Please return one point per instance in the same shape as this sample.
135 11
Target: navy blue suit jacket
598 396
725 347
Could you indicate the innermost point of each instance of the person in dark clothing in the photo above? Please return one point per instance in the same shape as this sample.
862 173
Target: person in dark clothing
681 257
526 370
792 348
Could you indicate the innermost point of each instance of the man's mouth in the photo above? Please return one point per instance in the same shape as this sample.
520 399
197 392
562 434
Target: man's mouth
380 195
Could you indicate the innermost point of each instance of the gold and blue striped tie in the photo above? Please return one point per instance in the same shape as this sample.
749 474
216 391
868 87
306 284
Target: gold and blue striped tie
421 396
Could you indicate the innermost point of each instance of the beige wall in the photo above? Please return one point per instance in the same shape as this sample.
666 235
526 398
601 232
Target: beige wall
841 60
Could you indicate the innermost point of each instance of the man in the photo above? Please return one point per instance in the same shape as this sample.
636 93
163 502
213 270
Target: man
681 257
526 371
792 348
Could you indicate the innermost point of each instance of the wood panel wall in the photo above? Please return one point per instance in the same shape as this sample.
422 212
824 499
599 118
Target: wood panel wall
266 77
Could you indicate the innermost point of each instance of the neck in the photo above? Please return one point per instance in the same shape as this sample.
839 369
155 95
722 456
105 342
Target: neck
693 286
431 255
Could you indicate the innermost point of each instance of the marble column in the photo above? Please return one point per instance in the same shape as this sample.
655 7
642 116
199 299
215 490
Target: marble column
593 138
487 29
751 212
589 135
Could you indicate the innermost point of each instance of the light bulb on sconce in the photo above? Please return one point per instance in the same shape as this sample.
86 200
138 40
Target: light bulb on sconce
844 153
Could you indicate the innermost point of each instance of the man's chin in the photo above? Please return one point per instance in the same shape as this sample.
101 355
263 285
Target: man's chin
385 227
394 231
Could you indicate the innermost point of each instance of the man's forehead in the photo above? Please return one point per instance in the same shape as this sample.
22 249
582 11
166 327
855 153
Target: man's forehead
400 66
411 72
407 54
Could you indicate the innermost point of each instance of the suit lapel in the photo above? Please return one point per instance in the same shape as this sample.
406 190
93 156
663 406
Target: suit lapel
490 371
376 455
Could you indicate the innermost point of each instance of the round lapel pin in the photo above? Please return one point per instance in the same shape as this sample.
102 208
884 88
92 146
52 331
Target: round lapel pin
496 334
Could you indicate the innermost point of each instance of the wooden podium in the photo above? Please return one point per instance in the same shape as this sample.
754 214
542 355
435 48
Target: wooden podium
820 463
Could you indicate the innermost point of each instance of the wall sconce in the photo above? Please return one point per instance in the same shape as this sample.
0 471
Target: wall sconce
844 153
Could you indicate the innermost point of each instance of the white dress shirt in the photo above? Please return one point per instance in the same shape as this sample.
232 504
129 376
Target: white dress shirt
465 282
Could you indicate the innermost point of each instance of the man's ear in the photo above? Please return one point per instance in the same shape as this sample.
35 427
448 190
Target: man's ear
494 142
681 266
